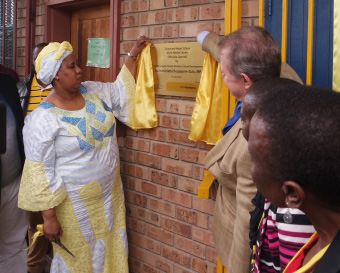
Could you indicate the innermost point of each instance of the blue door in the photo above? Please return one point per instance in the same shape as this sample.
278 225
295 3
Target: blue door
297 36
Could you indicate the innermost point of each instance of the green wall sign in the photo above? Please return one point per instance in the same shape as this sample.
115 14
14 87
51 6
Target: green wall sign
98 52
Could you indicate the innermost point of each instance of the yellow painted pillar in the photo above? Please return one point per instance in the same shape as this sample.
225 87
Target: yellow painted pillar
284 30
309 74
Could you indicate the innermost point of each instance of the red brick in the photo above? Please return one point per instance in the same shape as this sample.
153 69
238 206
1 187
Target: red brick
137 171
178 269
211 223
155 133
176 255
168 121
137 252
135 225
134 6
21 52
177 227
21 4
144 242
137 144
160 105
183 107
41 10
219 28
39 39
191 29
153 18
202 236
203 266
183 15
177 197
188 185
191 155
193 2
160 235
180 138
21 72
164 149
185 123
20 62
190 246
164 31
163 178
161 207
120 141
149 160
131 34
21 22
148 188
148 216
125 47
135 198
250 9
129 169
136 266
130 209
39 20
198 172
212 255
203 205
212 12
129 182
204 146
177 167
193 217
130 132
21 13
159 262
128 20
157 4
127 155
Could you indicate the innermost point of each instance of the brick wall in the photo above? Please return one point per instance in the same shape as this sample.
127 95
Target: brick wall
169 228
21 32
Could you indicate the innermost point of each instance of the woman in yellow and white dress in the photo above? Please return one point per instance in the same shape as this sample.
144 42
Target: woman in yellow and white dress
71 172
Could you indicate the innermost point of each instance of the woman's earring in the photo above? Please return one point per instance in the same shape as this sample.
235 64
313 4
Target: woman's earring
288 217
57 78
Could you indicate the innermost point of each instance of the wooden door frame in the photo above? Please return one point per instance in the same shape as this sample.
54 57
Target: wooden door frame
58 25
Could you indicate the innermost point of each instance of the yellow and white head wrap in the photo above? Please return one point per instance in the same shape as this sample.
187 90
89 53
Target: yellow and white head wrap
49 60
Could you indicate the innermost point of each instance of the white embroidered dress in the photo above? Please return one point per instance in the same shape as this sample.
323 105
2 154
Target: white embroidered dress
72 164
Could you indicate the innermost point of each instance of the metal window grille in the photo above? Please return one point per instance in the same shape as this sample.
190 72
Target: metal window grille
7 32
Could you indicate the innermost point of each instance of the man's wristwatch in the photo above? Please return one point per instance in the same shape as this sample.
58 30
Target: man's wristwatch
132 56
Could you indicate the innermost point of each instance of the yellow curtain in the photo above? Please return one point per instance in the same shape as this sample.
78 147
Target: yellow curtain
207 117
145 114
336 47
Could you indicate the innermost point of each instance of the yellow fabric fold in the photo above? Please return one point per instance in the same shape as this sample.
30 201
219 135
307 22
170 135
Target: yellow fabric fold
145 114
39 232
336 47
207 117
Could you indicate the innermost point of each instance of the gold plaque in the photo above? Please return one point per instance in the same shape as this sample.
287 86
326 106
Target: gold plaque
177 68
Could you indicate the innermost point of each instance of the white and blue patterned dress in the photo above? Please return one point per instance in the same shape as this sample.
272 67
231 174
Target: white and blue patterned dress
72 164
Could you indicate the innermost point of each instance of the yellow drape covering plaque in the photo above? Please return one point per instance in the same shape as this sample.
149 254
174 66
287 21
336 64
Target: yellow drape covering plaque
145 114
207 117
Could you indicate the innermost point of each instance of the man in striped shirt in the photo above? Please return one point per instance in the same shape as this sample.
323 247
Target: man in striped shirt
32 92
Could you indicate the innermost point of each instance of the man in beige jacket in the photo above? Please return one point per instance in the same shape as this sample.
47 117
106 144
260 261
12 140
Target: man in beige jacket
247 55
